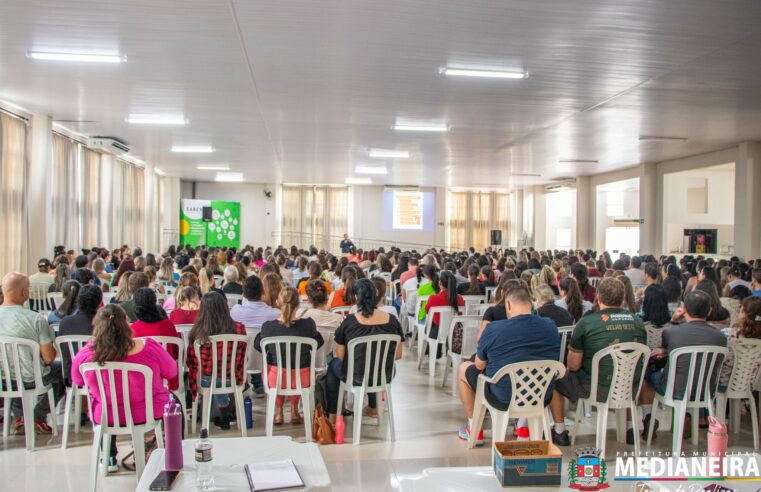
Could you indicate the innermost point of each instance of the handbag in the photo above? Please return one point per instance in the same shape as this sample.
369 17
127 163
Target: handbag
322 429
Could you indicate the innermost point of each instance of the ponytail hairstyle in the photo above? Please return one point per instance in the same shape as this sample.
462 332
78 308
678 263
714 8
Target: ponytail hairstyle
112 335
367 300
573 298
449 284
380 287
317 293
474 288
187 294
70 292
349 278
288 301
431 273
750 322
419 275
487 274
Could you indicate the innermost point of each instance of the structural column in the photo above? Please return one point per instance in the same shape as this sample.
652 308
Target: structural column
39 206
648 196
748 201
585 213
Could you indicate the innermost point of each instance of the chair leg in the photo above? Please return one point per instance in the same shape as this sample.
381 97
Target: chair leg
621 425
270 413
447 361
736 416
138 444
7 415
456 361
721 406
653 415
602 427
306 400
433 349
105 446
67 417
753 419
421 336
695 413
359 400
53 412
635 426
420 357
341 391
479 412
27 404
240 412
576 420
206 409
159 436
676 435
95 457
78 413
391 428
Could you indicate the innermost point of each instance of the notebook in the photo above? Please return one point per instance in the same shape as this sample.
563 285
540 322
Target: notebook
273 475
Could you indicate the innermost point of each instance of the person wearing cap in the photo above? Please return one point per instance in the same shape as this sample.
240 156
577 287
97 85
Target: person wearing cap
40 282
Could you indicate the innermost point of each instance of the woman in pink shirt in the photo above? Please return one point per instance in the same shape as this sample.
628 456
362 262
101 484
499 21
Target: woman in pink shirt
113 342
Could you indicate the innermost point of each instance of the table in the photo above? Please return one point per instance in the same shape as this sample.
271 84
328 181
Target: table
230 454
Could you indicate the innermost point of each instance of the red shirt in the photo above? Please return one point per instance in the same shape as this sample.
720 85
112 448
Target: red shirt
438 300
183 316
163 328
206 361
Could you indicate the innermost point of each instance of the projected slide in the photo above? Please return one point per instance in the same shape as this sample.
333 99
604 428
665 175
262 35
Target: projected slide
408 210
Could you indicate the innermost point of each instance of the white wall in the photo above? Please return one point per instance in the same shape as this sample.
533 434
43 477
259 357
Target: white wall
556 206
602 222
257 213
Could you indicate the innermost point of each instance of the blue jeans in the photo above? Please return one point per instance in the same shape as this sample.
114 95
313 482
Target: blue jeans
219 400
333 382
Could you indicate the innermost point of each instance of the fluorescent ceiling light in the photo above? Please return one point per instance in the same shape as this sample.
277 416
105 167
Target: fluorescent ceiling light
214 168
422 127
561 188
159 171
479 72
371 170
358 181
193 149
578 161
656 138
525 175
389 154
157 119
229 177
76 57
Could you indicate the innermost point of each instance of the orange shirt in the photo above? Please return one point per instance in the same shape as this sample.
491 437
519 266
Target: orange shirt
303 287
338 298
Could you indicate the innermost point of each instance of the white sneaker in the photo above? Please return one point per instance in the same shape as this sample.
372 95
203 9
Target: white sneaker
113 465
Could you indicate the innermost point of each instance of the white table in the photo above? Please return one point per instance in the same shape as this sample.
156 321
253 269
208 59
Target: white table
230 454
464 479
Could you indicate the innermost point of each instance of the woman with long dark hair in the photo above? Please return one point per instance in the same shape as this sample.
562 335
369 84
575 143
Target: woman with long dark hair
447 296
570 299
153 322
70 292
579 272
345 295
427 288
368 320
214 319
474 287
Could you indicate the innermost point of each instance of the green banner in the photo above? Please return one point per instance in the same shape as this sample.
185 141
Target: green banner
223 230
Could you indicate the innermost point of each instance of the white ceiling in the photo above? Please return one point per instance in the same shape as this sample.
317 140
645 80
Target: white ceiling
296 91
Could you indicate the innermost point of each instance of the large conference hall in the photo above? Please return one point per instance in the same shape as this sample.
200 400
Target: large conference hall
365 245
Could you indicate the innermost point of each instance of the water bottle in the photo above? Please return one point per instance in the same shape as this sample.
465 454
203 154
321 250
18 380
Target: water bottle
340 429
248 408
717 442
173 436
204 478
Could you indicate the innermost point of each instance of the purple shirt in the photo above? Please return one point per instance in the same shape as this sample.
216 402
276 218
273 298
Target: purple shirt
152 356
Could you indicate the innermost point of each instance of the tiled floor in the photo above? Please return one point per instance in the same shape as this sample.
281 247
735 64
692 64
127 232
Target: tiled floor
427 419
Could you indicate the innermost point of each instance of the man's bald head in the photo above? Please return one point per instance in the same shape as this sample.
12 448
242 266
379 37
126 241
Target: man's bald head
15 289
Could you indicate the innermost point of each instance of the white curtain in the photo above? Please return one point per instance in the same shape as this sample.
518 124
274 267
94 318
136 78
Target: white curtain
472 216
65 191
90 199
314 215
128 200
13 176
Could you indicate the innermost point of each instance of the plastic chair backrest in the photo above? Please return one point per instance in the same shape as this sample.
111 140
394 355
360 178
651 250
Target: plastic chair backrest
38 299
626 357
377 348
471 301
68 346
489 291
287 353
55 299
478 309
233 299
747 352
228 345
419 305
446 313
654 336
470 326
595 281
530 381
11 355
702 364
342 310
565 335
119 371
166 342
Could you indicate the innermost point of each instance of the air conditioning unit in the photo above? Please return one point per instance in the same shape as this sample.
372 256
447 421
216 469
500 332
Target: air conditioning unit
108 144
563 186
401 188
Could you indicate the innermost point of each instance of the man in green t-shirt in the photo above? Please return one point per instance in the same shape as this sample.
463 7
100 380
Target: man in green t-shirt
594 332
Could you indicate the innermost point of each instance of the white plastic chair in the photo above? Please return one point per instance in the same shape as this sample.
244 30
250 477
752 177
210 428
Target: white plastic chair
38 299
228 383
654 336
253 356
329 335
471 302
73 344
529 381
624 390
55 299
12 385
218 280
182 353
106 376
595 281
392 292
413 323
107 296
385 276
446 313
478 309
233 299
470 326
161 298
489 291
292 347
342 310
378 348
747 352
565 335
702 362
183 330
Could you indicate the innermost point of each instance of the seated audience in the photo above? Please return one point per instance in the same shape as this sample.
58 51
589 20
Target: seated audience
288 326
137 280
187 279
380 293
748 326
320 312
571 299
611 324
474 287
522 337
39 284
446 296
153 322
579 272
755 284
70 292
344 296
272 284
88 301
232 282
188 300
315 273
546 307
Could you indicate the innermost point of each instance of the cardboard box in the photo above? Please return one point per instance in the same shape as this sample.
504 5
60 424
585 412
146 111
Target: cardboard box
527 463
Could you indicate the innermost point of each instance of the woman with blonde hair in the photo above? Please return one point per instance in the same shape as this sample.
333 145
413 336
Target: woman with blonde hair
166 272
272 286
291 326
123 292
547 277
187 279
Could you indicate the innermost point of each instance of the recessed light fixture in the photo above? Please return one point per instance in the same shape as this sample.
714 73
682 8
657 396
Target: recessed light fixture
76 57
193 149
485 73
578 161
214 168
658 138
229 177
371 170
156 119
358 181
388 154
421 127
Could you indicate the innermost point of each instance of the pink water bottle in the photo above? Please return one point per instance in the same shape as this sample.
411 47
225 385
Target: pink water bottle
172 436
717 443
340 428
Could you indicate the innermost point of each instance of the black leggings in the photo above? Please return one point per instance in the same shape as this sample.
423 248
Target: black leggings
332 384
112 450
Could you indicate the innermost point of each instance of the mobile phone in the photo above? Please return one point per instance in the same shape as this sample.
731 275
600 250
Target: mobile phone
164 480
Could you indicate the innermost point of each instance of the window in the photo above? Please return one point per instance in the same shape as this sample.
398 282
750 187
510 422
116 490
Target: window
614 203
563 238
